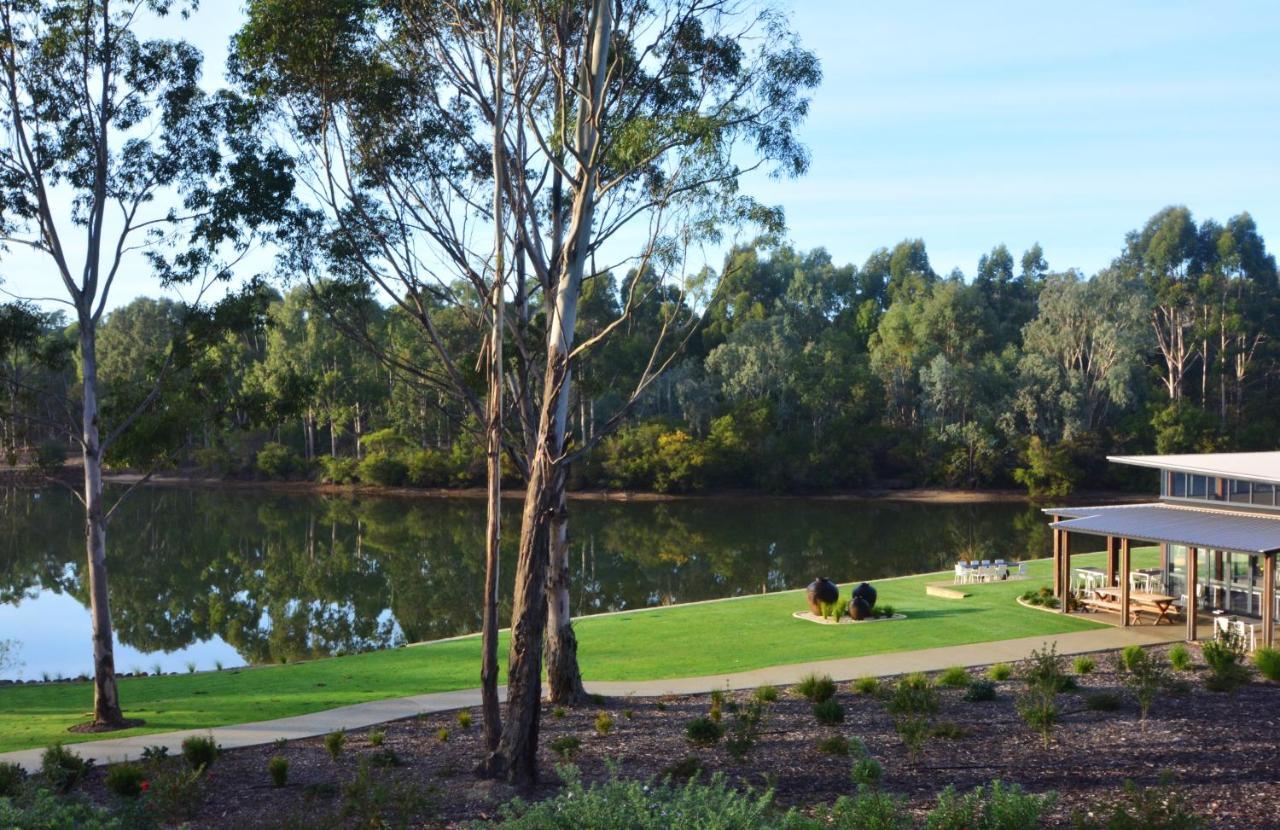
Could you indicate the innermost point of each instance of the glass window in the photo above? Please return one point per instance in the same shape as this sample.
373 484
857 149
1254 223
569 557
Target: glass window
1263 493
1179 485
1198 488
1238 491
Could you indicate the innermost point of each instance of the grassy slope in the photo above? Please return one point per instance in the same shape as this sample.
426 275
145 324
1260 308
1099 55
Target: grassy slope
679 641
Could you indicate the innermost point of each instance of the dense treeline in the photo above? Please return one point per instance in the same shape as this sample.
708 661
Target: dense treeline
804 375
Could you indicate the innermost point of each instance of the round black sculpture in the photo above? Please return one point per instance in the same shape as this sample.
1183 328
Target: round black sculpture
862 601
822 591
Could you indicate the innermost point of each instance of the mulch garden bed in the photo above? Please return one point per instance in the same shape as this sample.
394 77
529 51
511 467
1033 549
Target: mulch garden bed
1221 750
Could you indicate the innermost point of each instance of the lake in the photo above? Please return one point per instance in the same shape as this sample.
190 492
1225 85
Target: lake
202 577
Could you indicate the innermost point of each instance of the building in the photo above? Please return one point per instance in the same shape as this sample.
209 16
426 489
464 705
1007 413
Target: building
1217 525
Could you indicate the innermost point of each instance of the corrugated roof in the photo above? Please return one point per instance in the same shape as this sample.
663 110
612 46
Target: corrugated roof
1192 526
1257 466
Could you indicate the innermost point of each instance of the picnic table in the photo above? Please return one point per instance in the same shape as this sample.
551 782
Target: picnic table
1158 606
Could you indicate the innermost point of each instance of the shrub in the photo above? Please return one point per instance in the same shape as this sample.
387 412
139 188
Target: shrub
596 699
1102 701
442 735
200 752
1180 657
829 712
385 757
867 685
979 691
175 792
12 777
815 688
834 745
428 468
913 730
557 712
703 732
717 705
155 754
1131 656
276 460
1142 808
604 723
766 694
46 810
377 738
1038 707
643 805
1043 671
867 772
998 807
887 610
912 695
1227 672
687 767
628 714
948 731
382 469
869 810
566 746
337 470
745 730
954 678
1083 664
1000 671
125 780
1267 661
334 742
278 770
464 719
1145 679
51 456
63 768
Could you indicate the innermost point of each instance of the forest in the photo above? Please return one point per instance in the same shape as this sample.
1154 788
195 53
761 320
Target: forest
797 374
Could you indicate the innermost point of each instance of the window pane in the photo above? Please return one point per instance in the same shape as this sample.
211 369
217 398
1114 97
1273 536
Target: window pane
1180 485
1263 493
1238 491
1198 484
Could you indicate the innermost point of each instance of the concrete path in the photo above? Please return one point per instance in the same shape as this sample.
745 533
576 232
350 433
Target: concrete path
361 715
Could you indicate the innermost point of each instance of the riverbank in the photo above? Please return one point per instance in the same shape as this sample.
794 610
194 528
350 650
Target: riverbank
668 642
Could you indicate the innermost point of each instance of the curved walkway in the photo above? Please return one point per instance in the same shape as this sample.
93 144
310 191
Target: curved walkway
361 715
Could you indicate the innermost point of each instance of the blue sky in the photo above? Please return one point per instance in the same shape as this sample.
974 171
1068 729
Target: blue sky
984 122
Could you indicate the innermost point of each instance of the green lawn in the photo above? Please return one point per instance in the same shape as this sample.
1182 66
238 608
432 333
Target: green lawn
679 641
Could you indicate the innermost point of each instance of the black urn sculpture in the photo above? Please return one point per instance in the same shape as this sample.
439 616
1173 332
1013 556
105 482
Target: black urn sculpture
862 601
822 591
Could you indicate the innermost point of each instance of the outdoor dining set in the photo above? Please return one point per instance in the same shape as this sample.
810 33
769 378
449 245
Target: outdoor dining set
1146 594
988 570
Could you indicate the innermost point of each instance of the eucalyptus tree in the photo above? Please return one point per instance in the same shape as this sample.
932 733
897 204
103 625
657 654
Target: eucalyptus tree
115 159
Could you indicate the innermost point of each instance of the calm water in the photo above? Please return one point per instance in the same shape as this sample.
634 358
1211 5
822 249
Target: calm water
207 576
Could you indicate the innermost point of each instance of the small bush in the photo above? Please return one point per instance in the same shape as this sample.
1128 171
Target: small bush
382 469
45 810
979 691
912 695
1180 657
834 745
385 757
337 470
717 705
954 678
278 771
867 772
200 752
1083 665
887 610
1000 671
829 712
63 768
948 731
766 694
703 732
867 686
1043 671
596 699
442 735
1142 808
566 747
155 754
998 807
1145 679
175 792
125 780
334 743
628 714
1102 701
1131 656
276 461
1267 661
815 688
604 723
1227 671
464 719
1038 708
557 712
687 767
377 738
913 730
12 777
744 732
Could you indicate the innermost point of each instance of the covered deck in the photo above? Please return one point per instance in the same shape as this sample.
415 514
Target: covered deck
1215 564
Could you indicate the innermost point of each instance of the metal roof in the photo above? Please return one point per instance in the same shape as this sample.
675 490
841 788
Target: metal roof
1257 466
1196 527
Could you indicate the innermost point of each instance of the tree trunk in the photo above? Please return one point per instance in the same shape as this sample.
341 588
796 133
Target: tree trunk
106 699
563 675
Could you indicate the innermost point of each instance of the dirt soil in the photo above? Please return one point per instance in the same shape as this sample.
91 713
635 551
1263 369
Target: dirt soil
1221 750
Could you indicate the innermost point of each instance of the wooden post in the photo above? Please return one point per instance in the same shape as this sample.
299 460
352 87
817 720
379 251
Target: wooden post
1268 598
1124 581
1057 559
1066 571
1113 559
1193 557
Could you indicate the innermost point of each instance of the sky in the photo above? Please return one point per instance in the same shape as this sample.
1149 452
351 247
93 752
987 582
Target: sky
971 124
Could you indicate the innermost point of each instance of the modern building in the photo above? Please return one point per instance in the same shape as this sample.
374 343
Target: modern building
1217 525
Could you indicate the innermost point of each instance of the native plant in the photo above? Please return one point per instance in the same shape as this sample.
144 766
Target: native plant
816 688
12 777
278 770
1000 671
334 743
997 807
744 732
1225 658
704 731
125 780
200 751
828 712
63 768
566 747
980 691
1267 662
1146 678
1163 807
1180 657
955 677
1083 664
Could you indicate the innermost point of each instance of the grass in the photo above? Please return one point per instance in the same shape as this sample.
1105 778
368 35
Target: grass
669 642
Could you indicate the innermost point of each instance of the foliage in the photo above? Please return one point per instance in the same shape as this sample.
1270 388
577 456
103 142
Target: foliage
199 751
869 810
997 807
275 460
464 719
175 791
980 691
816 688
377 737
12 777
704 731
1146 678
948 730
604 723
1180 657
766 694
684 769
828 712
1225 658
1083 664
125 780
566 746
866 772
334 742
834 745
913 694
744 731
47 811
278 770
955 677
867 686
1131 656
1038 708
1000 671
1142 808
382 469
337 470
1102 701
1267 662
1043 670
63 768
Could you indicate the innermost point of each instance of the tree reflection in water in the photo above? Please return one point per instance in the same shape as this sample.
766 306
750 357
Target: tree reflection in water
284 577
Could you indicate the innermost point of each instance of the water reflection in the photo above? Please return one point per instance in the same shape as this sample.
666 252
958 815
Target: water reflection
282 577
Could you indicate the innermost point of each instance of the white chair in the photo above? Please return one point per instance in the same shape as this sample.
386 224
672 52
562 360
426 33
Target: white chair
962 573
1022 571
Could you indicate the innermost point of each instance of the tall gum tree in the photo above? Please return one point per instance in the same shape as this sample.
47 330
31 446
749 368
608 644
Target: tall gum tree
114 158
